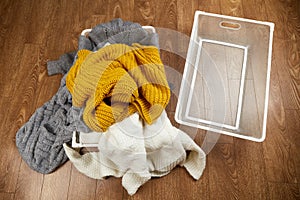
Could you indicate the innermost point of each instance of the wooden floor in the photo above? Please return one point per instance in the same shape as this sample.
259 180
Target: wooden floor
34 31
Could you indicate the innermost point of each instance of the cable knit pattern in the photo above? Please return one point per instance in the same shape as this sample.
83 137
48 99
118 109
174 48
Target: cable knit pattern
116 81
40 140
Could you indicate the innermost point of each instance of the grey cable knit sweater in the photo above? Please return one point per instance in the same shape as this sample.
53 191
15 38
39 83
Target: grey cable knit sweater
40 140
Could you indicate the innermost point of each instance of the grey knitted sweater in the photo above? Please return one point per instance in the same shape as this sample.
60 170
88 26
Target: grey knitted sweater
40 140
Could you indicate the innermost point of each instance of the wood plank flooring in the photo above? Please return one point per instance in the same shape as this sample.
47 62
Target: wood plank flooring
33 32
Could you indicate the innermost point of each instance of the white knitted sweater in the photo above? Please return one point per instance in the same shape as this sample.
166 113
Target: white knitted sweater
137 152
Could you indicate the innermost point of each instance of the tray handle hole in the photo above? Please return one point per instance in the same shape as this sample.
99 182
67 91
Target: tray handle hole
230 25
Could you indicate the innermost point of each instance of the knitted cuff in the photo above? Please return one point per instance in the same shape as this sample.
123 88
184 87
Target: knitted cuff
62 65
54 67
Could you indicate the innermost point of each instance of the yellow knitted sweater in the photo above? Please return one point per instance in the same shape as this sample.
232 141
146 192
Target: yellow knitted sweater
117 81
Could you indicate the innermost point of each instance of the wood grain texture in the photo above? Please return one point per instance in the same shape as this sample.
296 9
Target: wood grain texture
29 184
288 24
255 9
278 148
14 46
232 8
33 32
120 9
250 170
212 6
286 16
187 10
5 20
144 12
111 188
81 186
280 191
38 8
25 96
6 196
293 55
166 21
288 81
293 12
223 176
296 150
56 185
172 186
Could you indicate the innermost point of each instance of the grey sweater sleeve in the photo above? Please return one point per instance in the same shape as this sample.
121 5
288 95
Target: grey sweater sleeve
62 65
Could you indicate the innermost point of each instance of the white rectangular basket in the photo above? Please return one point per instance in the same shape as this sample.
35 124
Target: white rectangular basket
225 85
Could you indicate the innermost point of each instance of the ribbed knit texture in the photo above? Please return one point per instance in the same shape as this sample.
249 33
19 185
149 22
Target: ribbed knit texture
116 81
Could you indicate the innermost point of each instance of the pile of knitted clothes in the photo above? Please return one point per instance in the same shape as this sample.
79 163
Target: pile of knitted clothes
114 86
